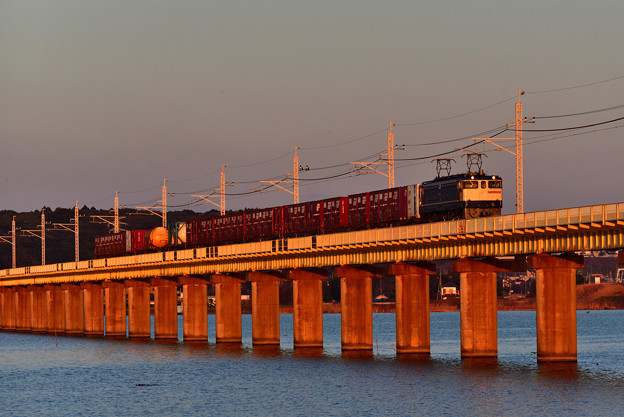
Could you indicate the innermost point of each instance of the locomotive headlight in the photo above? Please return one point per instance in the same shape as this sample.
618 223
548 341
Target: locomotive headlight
472 177
493 177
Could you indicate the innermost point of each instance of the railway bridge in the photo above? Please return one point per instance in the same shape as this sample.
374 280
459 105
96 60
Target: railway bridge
111 297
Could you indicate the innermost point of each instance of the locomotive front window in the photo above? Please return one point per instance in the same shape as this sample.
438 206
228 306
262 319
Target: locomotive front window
496 184
471 184
483 184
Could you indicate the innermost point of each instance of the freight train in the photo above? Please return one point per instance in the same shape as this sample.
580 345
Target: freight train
462 196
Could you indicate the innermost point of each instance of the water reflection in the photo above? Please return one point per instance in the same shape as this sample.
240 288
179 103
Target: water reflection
414 357
267 351
309 352
357 354
230 350
482 366
559 371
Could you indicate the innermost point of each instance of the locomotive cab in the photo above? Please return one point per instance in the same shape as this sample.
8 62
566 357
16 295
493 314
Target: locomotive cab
482 195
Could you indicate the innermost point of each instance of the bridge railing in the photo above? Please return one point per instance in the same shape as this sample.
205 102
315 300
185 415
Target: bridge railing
600 214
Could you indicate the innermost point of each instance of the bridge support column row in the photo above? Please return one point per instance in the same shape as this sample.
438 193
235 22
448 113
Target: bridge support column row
556 306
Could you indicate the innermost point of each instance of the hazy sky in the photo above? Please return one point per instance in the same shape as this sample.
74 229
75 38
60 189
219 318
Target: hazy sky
98 96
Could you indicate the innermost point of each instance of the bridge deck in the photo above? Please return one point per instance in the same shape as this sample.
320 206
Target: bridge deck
575 229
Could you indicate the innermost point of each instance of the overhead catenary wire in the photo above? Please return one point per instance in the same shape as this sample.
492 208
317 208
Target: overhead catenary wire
498 103
619 106
575 127
576 86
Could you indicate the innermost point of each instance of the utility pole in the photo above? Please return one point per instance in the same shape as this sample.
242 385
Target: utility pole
14 243
115 222
163 206
72 227
518 153
41 234
11 240
389 161
295 174
116 213
295 178
77 231
222 185
390 153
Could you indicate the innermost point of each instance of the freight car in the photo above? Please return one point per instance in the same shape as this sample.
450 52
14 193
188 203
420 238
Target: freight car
139 241
462 196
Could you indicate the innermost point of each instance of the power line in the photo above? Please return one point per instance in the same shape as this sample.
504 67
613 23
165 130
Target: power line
619 106
575 127
345 142
576 86
458 115
441 142
261 163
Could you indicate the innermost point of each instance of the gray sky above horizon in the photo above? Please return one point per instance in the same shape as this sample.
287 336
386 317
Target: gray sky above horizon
118 95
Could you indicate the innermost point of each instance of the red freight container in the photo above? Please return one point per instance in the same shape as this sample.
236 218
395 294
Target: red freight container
315 225
199 232
359 210
262 224
388 206
110 245
229 228
335 214
303 218
138 242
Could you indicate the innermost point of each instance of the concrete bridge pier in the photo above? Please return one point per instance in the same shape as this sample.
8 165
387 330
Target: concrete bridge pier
93 309
228 312
39 319
115 309
74 309
265 315
412 307
2 308
307 308
356 299
8 309
165 308
139 325
55 309
478 304
556 306
194 309
22 309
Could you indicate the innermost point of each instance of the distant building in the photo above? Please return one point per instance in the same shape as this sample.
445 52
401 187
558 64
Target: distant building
450 291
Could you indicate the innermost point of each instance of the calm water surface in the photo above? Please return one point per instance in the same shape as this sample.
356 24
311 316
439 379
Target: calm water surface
92 377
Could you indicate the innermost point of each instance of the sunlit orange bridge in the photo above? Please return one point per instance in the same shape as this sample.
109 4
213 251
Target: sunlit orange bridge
95 297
